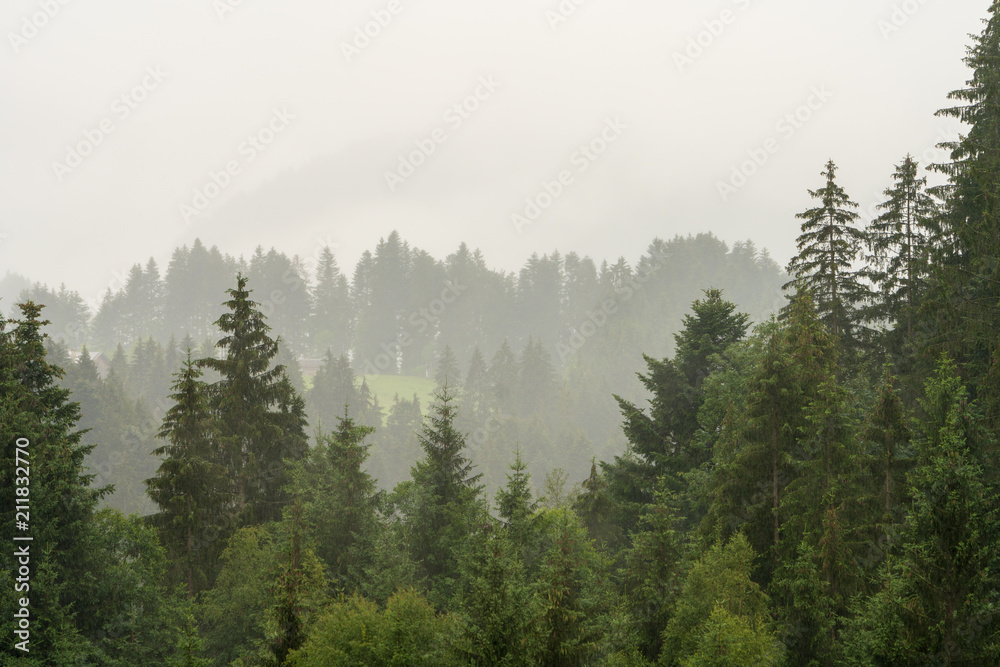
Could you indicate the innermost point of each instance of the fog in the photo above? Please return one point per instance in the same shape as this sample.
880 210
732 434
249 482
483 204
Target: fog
120 119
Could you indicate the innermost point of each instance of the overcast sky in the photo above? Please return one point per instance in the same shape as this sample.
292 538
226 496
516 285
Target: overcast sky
128 128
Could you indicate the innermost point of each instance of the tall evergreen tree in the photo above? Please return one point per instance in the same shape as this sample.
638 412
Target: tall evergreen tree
447 496
651 573
886 436
332 315
503 377
339 501
662 441
333 387
49 465
898 241
939 604
189 487
496 600
516 506
966 283
828 247
261 420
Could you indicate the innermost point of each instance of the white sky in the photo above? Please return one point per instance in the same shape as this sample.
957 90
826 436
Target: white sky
322 179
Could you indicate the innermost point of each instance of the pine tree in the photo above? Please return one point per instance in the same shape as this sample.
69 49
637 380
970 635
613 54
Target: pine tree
965 286
538 386
595 508
495 600
652 572
898 241
260 418
757 456
476 387
718 598
516 507
333 387
939 602
42 454
828 247
572 593
339 502
190 486
447 493
662 442
887 437
332 312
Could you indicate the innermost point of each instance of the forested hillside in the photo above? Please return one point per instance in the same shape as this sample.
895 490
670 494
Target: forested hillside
805 471
536 355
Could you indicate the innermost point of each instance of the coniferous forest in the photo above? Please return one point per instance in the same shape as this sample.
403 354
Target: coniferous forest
695 457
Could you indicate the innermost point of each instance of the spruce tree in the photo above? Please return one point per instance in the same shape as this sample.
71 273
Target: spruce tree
339 501
447 493
190 486
333 387
651 574
965 290
37 413
495 599
516 507
898 242
662 441
503 377
886 436
595 507
331 307
261 420
721 616
539 385
939 604
827 249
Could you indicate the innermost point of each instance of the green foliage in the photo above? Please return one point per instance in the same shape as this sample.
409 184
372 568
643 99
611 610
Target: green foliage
663 441
828 245
728 640
495 599
233 613
445 499
260 417
188 487
574 592
353 632
939 599
61 505
652 572
721 613
899 243
339 502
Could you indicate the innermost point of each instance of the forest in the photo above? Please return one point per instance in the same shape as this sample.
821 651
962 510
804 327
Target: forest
696 458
